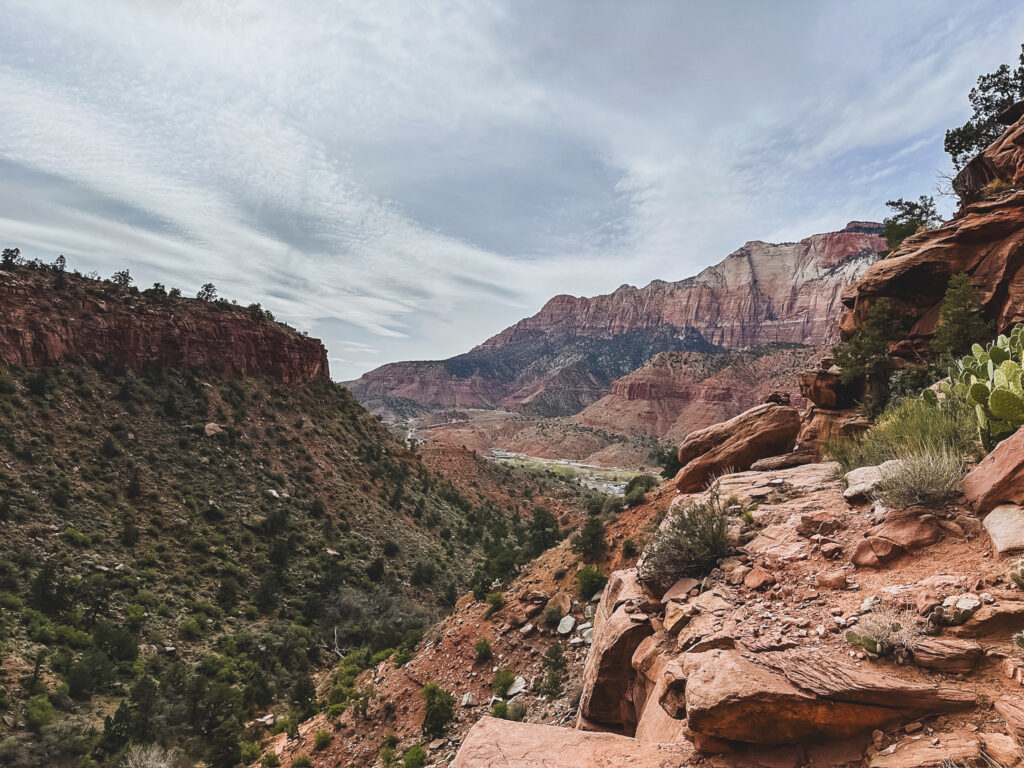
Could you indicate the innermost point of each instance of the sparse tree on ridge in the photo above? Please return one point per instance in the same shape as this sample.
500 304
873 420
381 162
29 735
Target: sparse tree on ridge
994 93
207 293
908 217
122 278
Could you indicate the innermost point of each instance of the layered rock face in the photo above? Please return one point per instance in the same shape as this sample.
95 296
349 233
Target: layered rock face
568 354
40 325
675 393
760 293
985 240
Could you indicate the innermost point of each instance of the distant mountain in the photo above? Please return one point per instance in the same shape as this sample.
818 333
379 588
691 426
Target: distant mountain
567 355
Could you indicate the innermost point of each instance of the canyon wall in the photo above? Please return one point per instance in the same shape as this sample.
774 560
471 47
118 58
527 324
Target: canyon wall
568 355
98 323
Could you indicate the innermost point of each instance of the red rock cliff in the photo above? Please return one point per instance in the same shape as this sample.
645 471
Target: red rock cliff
94 323
761 293
985 240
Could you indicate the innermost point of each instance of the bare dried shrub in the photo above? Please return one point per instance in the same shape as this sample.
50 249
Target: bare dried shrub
927 476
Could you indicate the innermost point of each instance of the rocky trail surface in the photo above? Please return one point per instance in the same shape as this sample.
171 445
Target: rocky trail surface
750 666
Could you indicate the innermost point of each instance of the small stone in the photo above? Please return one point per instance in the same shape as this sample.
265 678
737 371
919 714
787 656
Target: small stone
566 625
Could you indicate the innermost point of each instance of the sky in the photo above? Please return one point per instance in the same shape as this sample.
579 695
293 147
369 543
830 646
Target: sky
405 179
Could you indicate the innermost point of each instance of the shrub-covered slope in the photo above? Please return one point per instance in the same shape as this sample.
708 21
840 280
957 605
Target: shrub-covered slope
182 552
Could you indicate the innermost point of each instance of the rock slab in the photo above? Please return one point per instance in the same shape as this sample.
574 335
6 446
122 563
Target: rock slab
491 743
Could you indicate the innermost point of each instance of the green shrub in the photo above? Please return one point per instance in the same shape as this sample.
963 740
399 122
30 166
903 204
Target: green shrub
589 580
483 649
502 681
865 355
38 713
270 760
499 709
249 751
961 321
885 630
554 666
439 710
629 548
666 457
644 482
551 616
929 477
589 542
911 425
321 739
690 543
495 602
302 761
414 757
909 217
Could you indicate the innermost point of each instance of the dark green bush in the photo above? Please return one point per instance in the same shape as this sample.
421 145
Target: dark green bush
483 649
588 581
439 710
502 681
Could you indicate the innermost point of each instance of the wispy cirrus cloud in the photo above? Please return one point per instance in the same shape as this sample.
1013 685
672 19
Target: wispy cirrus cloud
405 179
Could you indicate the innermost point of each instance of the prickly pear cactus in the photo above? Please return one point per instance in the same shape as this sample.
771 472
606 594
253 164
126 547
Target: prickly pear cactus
992 380
1017 573
868 644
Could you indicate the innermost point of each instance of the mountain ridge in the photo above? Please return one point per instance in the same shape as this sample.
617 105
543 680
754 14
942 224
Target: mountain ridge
566 356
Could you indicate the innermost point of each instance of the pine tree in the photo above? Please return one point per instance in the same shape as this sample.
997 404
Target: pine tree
864 356
589 542
994 93
961 322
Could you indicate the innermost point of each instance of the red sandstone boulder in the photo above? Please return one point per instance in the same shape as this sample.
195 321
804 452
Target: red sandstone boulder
794 696
491 743
875 552
820 425
825 389
765 430
911 529
651 660
608 674
1012 712
561 602
954 750
947 654
999 478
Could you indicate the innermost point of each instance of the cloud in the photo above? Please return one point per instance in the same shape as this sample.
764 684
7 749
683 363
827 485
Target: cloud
406 179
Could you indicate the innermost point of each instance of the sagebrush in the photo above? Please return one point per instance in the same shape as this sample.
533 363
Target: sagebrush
690 542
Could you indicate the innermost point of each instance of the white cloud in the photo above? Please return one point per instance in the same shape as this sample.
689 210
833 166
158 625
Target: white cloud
406 179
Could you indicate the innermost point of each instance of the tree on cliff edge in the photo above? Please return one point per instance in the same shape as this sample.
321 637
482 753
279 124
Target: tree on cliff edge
207 293
994 93
908 217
